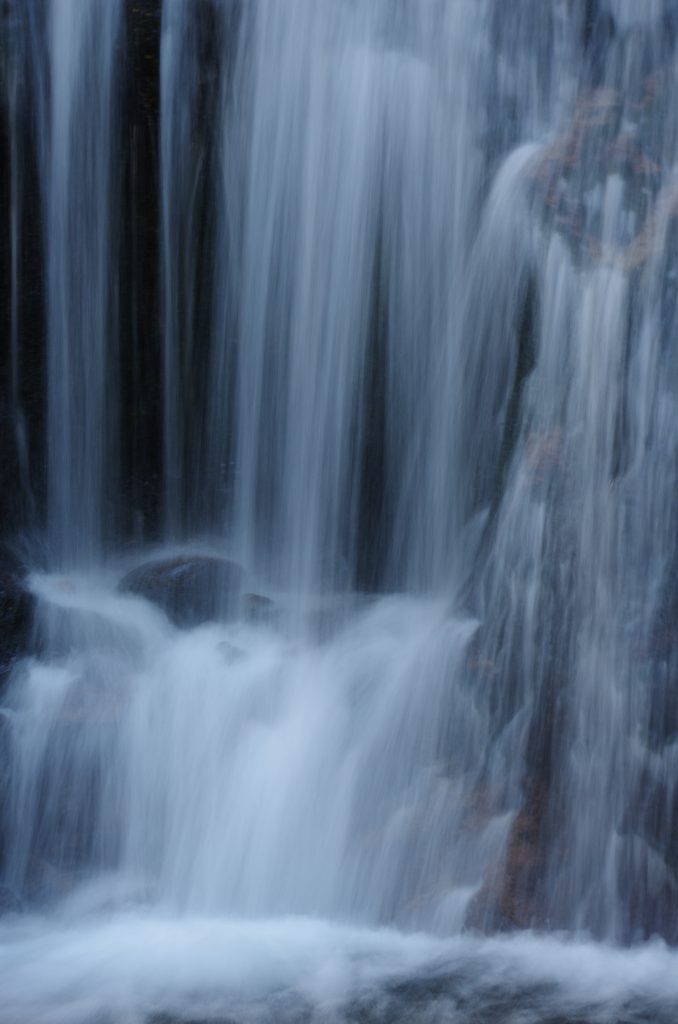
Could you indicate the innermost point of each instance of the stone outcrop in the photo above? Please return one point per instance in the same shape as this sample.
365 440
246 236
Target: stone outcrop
190 589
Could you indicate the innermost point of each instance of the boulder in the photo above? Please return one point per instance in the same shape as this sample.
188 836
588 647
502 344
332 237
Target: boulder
190 590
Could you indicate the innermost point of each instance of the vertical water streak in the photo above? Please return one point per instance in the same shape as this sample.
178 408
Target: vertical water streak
361 178
195 61
80 193
231 159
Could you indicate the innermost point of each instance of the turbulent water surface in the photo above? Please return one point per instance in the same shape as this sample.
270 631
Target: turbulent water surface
377 300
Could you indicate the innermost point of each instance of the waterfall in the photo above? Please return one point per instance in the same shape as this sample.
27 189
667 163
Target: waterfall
350 522
78 149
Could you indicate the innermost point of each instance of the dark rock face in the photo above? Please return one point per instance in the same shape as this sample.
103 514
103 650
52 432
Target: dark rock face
22 321
510 897
17 607
190 589
140 335
649 876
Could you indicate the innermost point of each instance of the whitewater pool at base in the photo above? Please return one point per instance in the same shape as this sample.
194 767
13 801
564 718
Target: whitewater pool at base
137 966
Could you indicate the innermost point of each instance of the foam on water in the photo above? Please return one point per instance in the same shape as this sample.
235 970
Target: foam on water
142 965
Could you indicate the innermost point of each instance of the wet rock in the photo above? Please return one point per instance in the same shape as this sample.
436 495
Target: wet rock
514 892
17 606
525 863
509 896
10 473
663 717
648 876
257 608
190 589
600 142
662 649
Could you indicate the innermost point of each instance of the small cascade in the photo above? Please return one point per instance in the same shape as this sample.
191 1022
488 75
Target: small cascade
293 778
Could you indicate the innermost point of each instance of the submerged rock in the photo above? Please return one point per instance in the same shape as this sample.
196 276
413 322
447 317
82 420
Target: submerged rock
190 589
257 608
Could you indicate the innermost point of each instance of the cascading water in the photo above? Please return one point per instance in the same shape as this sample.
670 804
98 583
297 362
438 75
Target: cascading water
77 157
415 268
